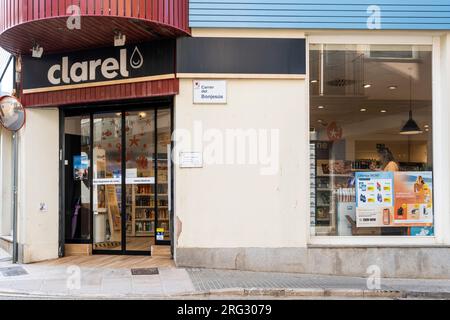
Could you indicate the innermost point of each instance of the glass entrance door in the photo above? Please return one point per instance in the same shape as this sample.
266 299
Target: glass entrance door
107 181
127 191
140 180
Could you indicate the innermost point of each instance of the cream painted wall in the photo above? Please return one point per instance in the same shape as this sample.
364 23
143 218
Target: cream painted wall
223 205
38 182
5 182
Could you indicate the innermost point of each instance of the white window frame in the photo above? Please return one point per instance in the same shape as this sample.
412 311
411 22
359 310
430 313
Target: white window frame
441 135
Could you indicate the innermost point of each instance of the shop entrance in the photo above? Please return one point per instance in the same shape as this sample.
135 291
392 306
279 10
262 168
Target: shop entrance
117 177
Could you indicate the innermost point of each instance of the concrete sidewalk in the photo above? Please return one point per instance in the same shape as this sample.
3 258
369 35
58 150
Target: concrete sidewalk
72 282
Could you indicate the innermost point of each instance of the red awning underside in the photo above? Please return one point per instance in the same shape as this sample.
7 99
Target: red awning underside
24 23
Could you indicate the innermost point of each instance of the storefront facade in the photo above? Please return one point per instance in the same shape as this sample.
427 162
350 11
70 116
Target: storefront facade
313 141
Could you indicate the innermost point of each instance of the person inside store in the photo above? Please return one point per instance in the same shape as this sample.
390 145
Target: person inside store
387 160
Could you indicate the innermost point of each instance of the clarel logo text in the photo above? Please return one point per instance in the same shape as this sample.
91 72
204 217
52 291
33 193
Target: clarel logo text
83 71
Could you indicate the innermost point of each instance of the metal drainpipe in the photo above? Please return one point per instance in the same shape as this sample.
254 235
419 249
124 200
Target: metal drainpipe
15 173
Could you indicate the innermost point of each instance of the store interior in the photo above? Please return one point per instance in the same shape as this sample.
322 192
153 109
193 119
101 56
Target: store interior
366 101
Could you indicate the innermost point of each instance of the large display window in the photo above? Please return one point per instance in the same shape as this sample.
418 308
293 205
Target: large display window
371 140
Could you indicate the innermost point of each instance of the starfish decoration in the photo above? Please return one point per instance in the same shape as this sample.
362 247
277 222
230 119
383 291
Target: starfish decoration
134 141
142 162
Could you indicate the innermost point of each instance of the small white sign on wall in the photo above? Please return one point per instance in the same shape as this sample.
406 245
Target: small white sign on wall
191 160
210 91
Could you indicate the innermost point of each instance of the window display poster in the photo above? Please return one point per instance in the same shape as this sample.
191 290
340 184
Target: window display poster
395 199
374 198
80 167
413 199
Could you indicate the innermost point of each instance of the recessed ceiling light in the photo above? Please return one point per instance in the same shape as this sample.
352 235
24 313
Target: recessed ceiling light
392 87
383 111
320 121
367 86
363 110
320 107
314 81
427 129
426 126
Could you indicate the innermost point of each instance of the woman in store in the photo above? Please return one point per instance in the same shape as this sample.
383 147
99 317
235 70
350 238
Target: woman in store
387 160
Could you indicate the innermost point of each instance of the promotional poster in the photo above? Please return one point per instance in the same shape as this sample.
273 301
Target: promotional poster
395 199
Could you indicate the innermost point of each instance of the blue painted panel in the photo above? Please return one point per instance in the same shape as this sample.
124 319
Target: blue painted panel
321 14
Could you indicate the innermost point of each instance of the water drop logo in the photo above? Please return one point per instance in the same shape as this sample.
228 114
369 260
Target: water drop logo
136 60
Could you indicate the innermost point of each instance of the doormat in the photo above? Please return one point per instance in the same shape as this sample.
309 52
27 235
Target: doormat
144 271
13 271
107 245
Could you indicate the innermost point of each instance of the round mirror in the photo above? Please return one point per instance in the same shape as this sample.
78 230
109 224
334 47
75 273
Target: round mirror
12 113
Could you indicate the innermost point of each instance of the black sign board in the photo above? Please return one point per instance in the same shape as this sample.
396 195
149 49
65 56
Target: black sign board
241 56
148 59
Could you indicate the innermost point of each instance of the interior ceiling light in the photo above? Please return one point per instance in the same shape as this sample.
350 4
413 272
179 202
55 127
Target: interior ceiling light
392 87
314 81
383 111
37 51
363 110
410 126
320 107
367 86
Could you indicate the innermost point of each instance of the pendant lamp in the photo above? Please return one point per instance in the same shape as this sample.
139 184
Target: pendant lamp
410 126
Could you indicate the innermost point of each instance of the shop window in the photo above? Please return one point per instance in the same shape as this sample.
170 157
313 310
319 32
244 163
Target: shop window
371 140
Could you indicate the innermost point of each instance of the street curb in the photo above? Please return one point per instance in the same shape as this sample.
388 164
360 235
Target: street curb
248 293
310 292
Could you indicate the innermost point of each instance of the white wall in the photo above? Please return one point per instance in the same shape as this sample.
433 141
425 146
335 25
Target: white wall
223 205
38 182
5 182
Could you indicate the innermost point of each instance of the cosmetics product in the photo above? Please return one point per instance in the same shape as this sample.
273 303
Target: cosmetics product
386 217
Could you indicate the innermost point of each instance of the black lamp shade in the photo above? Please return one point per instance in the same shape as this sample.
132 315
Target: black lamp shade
410 127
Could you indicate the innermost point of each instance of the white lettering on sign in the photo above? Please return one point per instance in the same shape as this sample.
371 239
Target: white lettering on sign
210 91
83 71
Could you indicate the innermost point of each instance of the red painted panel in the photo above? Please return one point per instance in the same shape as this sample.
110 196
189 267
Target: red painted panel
106 8
135 8
83 6
107 93
142 9
41 8
35 10
98 7
90 6
128 8
120 8
48 8
114 7
62 8
55 10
